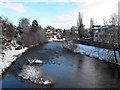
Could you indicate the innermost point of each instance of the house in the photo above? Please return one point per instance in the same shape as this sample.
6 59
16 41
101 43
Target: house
94 31
74 29
106 34
49 33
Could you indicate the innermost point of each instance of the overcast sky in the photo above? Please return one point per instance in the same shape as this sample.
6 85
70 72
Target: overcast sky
58 13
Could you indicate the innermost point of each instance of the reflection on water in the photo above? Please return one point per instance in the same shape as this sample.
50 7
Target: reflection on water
0 84
65 68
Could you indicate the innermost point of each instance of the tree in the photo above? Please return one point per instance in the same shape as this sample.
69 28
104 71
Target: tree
119 27
34 26
105 23
1 24
113 20
24 22
4 22
34 35
91 27
80 25
50 27
24 25
7 28
10 31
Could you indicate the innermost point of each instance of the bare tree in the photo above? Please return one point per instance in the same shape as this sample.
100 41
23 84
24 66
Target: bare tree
105 22
23 24
34 35
7 28
4 21
113 20
119 27
10 31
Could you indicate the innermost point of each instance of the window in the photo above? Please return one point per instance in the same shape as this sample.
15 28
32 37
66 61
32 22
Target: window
105 35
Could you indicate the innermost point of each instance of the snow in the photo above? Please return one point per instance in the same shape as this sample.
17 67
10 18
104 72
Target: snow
10 55
38 61
100 53
55 39
34 74
31 73
47 82
31 61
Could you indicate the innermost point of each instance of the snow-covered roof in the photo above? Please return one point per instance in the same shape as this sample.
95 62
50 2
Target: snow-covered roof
48 30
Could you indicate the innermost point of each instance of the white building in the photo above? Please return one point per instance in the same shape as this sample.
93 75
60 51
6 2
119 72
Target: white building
106 34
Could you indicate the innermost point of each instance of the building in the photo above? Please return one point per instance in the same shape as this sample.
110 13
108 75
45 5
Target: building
74 29
106 34
119 24
95 29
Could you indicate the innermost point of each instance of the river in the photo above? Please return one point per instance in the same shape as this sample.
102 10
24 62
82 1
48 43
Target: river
67 69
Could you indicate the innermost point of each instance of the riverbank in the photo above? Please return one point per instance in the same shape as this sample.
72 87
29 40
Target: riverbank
96 44
63 66
107 55
8 56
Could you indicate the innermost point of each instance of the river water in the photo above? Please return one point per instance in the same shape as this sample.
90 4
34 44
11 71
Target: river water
67 69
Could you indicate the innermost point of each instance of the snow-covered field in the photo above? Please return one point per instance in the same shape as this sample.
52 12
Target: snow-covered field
9 55
100 53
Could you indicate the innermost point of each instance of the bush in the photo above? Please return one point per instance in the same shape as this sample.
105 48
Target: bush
31 38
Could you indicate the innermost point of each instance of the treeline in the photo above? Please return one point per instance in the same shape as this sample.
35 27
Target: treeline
25 34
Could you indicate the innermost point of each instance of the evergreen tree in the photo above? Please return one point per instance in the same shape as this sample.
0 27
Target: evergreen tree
80 25
34 26
91 27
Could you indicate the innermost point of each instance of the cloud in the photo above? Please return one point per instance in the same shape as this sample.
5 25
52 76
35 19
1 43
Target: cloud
96 9
15 7
65 21
38 0
100 10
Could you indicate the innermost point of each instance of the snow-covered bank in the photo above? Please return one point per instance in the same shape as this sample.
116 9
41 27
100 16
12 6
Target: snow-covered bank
9 55
31 73
55 39
34 74
100 53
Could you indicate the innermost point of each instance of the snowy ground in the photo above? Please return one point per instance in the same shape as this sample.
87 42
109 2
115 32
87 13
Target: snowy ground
9 55
100 53
55 39
34 74
31 73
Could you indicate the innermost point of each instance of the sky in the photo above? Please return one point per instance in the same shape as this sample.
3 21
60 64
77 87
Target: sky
58 13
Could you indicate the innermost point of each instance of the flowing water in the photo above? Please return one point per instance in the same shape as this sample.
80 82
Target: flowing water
68 70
